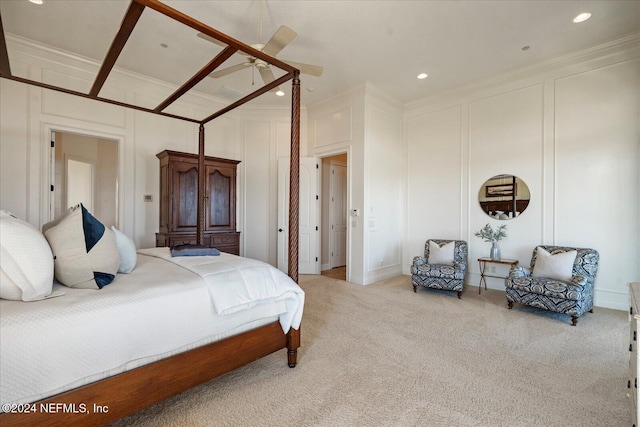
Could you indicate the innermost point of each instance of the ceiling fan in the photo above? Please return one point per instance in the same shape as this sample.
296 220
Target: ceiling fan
280 39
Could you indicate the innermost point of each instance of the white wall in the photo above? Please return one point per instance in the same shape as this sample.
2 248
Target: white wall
569 129
367 124
28 115
383 205
336 126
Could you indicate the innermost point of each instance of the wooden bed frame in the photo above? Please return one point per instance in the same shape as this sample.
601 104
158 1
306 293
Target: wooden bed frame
120 395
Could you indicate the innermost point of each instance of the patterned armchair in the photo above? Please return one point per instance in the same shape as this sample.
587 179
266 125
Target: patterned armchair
572 297
440 276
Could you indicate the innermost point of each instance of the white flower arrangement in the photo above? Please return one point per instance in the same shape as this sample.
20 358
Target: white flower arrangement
489 235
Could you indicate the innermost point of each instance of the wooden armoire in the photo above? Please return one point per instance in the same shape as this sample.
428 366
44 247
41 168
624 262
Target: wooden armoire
179 201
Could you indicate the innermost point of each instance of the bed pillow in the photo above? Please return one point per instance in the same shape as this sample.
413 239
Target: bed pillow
441 254
85 252
558 266
193 250
26 261
127 251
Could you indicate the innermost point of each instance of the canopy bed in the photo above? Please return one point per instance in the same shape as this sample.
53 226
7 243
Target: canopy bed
126 392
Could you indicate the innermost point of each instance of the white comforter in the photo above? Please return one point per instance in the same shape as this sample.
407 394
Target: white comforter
158 310
236 283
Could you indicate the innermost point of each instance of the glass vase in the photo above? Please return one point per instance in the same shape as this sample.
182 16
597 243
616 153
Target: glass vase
495 251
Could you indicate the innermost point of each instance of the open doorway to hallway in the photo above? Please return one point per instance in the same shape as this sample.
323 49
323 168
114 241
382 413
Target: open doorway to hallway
85 170
334 213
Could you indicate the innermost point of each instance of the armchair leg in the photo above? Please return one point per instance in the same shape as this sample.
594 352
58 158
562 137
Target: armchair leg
414 288
574 320
459 294
591 311
510 304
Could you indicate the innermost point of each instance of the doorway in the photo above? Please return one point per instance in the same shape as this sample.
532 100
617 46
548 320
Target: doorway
334 216
85 170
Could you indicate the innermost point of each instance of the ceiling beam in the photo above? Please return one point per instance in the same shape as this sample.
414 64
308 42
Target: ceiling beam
204 72
126 28
5 68
199 26
274 84
108 101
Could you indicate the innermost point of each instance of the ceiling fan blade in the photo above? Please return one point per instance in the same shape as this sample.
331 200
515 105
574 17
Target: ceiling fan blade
230 70
211 39
267 77
313 70
282 37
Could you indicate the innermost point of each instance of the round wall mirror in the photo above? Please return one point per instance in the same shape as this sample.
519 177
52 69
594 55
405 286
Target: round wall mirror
504 197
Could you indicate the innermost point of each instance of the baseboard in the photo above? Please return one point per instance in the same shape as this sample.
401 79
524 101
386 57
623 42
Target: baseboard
611 299
383 273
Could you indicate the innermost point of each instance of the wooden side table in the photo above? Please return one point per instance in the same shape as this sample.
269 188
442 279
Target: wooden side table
483 265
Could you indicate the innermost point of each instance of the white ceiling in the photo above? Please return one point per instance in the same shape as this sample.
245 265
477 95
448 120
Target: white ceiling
385 43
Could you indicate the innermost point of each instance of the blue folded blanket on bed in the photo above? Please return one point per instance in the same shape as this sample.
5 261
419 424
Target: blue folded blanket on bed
193 250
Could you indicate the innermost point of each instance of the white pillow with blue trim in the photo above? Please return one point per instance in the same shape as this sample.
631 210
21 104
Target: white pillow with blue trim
85 252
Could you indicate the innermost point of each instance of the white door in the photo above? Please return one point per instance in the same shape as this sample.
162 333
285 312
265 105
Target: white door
79 183
338 215
308 262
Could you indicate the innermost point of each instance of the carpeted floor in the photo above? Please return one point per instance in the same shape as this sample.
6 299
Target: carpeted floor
382 355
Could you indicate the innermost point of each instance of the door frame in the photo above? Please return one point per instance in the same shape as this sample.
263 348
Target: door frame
47 177
323 202
332 164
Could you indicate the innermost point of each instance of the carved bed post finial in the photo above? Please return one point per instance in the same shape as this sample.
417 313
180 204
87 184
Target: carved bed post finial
294 172
201 188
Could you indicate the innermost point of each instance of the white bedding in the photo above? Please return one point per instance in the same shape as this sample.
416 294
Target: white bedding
158 310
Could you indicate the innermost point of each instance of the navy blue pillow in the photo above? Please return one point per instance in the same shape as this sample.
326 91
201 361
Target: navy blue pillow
193 250
93 229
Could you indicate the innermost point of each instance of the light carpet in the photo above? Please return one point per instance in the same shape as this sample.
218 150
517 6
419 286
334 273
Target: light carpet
382 355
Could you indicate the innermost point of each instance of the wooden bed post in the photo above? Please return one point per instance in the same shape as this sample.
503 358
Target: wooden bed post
294 177
293 336
201 188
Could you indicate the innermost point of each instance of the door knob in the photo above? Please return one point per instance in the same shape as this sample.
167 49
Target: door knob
280 230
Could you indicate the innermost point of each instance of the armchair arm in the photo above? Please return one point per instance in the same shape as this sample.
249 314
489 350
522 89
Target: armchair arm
519 271
461 266
579 280
419 260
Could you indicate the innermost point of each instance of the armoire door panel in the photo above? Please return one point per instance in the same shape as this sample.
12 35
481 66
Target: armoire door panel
221 203
185 206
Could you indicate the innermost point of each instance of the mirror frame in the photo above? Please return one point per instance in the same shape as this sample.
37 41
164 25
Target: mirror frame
502 195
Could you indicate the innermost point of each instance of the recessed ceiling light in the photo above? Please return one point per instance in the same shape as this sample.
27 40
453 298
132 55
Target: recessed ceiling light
582 17
422 76
36 1
280 93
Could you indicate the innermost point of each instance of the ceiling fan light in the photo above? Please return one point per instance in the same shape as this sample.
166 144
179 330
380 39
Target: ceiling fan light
280 93
422 76
582 17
